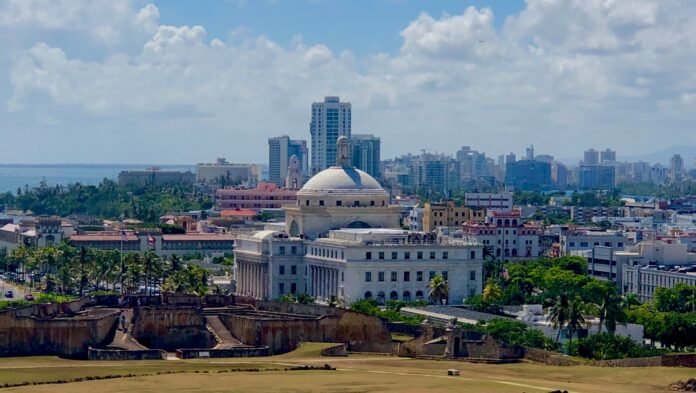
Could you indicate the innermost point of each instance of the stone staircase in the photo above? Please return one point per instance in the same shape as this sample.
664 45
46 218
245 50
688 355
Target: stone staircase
124 340
222 335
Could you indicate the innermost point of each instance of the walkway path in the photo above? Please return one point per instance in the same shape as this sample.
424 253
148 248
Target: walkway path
224 338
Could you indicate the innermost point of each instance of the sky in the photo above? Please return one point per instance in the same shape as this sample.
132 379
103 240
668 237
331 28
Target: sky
178 82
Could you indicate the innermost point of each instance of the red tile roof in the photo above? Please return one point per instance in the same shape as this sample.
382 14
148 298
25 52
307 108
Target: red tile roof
237 213
192 237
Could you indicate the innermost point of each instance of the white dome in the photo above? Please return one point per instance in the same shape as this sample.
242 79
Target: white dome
345 180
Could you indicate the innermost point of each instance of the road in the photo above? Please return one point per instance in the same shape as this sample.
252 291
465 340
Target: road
8 286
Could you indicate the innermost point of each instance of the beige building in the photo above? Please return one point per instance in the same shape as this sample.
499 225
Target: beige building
447 214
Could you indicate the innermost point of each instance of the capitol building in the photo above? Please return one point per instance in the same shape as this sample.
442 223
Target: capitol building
342 240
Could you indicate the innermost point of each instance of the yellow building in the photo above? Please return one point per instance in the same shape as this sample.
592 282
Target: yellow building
446 214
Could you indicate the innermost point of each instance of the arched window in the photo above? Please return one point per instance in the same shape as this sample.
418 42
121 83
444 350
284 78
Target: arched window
497 252
507 222
514 252
368 295
407 296
514 223
380 297
393 295
358 224
500 222
507 252
419 295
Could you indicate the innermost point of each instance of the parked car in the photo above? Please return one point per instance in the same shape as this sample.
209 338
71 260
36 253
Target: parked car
9 294
29 297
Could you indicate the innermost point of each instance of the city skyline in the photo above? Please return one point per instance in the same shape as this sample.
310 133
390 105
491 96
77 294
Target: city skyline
173 83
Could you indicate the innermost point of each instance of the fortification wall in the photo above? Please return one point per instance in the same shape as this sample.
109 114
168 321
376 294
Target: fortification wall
70 337
170 328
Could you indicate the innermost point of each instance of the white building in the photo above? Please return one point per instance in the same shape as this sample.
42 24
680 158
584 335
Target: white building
225 173
586 240
490 201
342 241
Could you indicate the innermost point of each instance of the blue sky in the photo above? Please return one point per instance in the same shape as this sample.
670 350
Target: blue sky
362 26
134 81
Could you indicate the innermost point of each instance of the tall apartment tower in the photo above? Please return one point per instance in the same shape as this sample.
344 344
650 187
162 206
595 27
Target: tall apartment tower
280 150
607 156
529 153
676 166
366 153
330 119
591 157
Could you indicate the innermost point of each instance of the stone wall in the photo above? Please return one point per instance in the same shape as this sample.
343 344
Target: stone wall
373 347
170 328
70 337
336 350
198 353
679 360
550 358
557 359
119 354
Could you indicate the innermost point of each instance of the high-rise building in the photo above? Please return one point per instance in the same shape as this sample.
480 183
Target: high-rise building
366 153
607 156
530 152
591 157
437 173
330 119
473 164
510 158
280 149
528 175
596 177
559 175
676 168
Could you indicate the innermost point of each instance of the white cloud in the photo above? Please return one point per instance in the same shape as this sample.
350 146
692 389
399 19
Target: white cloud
563 75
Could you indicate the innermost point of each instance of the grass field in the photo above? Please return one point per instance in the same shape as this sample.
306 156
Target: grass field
355 373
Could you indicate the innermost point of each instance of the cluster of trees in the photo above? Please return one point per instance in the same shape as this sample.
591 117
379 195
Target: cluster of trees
64 269
302 298
569 296
515 333
391 311
671 190
106 200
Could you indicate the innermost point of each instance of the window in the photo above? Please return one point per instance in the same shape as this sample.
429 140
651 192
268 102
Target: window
293 288
473 255
444 275
419 295
281 250
293 250
596 243
445 254
407 255
281 288
281 269
338 203
619 244
368 295
293 270
380 276
583 244
607 244
394 255
307 202
431 274
356 203
419 255
432 254
572 244
407 276
394 276
419 276
407 296
472 275
372 203
368 255
393 295
321 203
368 276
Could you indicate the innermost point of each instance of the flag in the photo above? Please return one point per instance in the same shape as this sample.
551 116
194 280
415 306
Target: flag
124 236
150 241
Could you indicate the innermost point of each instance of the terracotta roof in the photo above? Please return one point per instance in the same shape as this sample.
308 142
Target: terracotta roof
199 237
237 213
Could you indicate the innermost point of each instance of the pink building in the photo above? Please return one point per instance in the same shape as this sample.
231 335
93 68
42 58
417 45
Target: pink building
264 196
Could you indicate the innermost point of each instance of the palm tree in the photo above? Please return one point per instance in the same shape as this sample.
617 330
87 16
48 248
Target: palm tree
577 308
152 266
610 311
492 291
439 290
631 300
558 313
691 299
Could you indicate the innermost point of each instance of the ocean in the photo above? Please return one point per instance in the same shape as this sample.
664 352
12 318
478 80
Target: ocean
13 176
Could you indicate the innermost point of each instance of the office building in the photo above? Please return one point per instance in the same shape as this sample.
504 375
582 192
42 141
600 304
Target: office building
434 173
330 119
263 196
366 153
501 201
585 240
280 150
676 168
528 175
